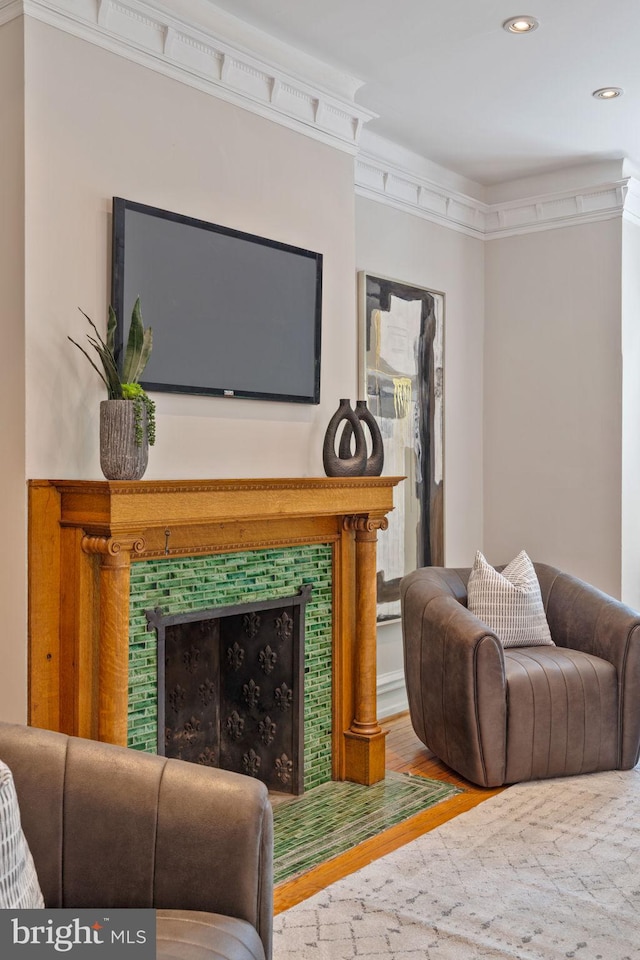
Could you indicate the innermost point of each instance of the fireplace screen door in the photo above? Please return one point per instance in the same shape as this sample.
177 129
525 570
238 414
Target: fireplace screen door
231 688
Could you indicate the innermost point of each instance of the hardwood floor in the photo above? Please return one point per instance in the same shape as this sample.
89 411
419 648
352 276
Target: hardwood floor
405 754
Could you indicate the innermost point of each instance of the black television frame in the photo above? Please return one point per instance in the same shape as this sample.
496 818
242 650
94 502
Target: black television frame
120 206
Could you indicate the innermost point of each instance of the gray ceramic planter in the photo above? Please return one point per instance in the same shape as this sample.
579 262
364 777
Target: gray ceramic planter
121 458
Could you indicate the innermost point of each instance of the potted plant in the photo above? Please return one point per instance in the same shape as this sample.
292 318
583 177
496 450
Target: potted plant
127 418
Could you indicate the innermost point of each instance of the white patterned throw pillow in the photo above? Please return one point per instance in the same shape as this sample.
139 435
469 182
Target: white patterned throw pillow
19 887
510 603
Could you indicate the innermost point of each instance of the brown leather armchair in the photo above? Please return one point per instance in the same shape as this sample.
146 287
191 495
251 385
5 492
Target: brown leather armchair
112 827
500 716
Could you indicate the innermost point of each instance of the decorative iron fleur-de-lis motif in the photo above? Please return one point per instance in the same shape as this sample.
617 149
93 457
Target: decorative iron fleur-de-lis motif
191 729
284 627
206 692
235 725
235 656
284 696
251 763
284 768
267 659
251 623
191 658
267 730
208 757
251 693
176 698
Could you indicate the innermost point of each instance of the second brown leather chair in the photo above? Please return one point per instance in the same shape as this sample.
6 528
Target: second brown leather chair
111 827
498 715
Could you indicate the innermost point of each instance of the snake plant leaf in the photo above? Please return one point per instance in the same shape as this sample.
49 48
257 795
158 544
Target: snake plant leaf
109 373
137 353
135 342
112 323
145 353
114 385
95 367
95 329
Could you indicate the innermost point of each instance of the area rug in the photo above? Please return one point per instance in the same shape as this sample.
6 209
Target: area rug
544 870
336 816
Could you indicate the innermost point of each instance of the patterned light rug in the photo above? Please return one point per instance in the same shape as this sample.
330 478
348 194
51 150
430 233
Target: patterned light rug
545 870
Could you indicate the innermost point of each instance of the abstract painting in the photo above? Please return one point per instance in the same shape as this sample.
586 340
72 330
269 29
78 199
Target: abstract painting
402 366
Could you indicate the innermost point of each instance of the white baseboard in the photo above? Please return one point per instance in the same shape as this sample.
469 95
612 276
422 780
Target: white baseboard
391 694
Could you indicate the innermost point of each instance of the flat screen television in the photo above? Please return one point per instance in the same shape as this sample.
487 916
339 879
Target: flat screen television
233 314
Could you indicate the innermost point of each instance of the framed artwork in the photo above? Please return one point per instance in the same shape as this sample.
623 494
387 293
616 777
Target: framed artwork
401 377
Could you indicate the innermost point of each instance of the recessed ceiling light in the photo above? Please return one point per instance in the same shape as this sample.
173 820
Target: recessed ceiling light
607 93
523 24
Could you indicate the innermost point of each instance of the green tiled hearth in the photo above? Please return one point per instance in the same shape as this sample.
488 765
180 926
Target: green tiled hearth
337 816
192 583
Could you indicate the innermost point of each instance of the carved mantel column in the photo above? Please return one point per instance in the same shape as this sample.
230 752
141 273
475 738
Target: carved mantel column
365 738
113 658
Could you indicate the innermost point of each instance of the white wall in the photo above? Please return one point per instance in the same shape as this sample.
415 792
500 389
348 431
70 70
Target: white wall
13 522
552 400
630 591
99 126
396 244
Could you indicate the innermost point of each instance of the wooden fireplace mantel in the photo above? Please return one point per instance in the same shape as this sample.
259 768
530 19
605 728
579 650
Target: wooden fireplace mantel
84 536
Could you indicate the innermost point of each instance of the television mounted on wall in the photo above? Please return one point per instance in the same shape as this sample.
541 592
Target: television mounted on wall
233 314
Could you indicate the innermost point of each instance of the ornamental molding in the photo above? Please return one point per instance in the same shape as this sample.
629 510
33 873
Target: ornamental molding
9 10
604 201
113 546
365 525
221 486
632 201
380 180
391 692
383 181
241 545
148 34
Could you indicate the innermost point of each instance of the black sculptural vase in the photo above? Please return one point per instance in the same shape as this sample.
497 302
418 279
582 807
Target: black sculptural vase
352 464
375 460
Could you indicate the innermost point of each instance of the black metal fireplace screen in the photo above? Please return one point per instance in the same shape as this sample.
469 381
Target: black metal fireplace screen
231 688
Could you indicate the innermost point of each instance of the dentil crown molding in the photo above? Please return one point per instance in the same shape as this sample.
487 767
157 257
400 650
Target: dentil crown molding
379 179
9 10
632 201
314 99
147 33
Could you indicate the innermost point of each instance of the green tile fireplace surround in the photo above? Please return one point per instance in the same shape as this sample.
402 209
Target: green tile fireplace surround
103 552
201 583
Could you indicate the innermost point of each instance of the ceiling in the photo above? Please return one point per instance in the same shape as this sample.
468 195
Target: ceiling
450 84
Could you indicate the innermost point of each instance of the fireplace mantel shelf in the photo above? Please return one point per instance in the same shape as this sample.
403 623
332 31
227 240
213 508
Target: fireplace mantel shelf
108 508
84 536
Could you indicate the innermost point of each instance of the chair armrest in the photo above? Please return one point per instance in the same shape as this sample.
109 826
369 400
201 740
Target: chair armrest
110 826
214 847
584 618
455 675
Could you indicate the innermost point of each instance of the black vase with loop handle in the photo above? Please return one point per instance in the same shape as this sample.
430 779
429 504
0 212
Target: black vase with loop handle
349 464
375 460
